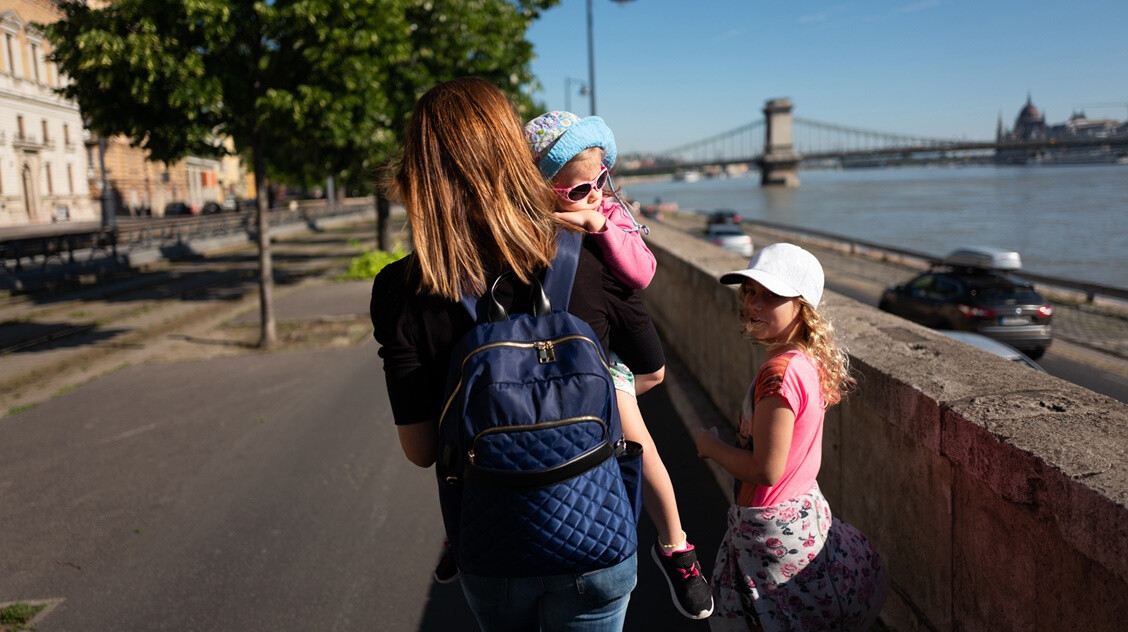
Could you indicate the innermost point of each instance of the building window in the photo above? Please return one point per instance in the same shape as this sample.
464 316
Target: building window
66 135
10 51
35 62
19 127
45 135
50 184
70 179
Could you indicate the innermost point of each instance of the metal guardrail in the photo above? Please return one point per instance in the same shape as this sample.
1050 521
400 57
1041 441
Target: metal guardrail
855 246
29 260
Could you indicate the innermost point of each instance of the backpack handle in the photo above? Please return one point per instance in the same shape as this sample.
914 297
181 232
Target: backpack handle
558 280
497 313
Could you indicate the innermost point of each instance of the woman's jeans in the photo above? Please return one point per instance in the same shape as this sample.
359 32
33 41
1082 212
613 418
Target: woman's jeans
591 602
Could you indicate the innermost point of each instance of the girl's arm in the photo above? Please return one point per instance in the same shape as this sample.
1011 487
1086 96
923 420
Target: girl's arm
623 249
772 427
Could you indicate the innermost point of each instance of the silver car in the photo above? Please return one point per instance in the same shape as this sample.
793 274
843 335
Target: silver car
731 237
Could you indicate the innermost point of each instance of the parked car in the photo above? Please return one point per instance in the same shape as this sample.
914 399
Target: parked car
731 237
211 208
973 289
991 345
177 208
722 216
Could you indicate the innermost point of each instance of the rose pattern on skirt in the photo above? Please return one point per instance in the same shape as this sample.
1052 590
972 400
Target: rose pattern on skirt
792 567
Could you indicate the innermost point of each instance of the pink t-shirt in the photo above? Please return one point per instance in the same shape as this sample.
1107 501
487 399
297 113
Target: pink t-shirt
625 253
793 376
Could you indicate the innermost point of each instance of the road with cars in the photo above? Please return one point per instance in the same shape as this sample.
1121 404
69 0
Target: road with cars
1090 346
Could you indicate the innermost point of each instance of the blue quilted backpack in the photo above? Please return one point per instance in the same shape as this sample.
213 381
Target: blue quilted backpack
530 444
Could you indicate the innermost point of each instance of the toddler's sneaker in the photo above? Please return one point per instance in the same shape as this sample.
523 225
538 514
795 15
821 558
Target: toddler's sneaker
446 571
691 593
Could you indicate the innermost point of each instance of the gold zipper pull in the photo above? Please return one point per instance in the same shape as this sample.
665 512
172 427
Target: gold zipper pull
545 353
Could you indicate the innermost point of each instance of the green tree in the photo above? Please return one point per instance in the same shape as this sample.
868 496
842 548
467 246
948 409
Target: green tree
306 88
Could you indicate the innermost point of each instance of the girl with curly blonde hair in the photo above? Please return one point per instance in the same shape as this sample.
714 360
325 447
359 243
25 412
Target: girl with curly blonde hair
785 562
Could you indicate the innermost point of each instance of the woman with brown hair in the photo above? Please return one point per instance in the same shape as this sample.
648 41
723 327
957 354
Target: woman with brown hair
478 207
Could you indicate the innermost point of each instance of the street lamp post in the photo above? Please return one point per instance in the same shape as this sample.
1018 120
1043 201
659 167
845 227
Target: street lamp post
591 55
568 82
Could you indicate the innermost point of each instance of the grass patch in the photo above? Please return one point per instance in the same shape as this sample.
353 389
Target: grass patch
15 410
16 616
367 263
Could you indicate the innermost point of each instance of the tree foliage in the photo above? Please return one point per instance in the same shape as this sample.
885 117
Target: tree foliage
326 85
305 88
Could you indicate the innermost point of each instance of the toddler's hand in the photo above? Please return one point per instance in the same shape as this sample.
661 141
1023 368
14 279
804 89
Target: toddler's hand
592 221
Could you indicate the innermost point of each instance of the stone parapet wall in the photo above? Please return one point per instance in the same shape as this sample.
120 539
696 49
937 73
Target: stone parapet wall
997 495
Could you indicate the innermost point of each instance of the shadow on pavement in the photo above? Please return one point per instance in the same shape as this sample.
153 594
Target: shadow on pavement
701 504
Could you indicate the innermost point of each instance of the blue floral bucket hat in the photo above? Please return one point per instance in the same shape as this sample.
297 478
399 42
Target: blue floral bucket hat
557 137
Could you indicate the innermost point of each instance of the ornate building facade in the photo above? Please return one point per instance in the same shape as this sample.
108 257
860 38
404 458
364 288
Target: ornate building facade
1030 126
43 164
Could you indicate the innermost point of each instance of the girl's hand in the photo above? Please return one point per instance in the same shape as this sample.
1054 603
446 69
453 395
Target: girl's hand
705 438
591 220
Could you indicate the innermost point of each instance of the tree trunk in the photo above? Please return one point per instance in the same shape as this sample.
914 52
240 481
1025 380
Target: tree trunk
383 210
268 331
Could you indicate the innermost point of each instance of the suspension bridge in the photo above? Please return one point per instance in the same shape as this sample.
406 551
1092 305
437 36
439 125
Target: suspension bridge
780 143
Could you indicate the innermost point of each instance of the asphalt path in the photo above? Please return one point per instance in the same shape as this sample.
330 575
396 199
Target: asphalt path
263 492
257 492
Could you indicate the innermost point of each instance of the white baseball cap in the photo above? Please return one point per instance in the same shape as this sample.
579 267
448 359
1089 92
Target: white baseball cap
785 269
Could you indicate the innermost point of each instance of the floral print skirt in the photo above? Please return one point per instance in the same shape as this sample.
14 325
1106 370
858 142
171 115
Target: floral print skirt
793 567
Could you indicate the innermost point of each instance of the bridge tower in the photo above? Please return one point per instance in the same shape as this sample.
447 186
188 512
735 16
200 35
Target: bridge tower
780 164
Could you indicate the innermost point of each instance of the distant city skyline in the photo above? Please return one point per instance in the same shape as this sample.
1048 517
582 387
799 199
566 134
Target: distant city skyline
668 72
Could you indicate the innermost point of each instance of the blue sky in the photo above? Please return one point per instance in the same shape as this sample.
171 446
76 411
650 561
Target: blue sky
674 71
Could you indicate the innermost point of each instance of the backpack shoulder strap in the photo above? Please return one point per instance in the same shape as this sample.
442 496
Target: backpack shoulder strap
561 273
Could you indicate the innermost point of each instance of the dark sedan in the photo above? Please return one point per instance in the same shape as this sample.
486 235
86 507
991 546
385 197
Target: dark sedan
994 303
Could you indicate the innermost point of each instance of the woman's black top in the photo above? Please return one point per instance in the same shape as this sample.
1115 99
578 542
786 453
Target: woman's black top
418 332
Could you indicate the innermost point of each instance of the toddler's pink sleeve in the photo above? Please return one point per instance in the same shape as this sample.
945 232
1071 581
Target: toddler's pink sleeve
623 249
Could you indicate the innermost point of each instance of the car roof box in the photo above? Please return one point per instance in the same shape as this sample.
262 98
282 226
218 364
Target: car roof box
984 257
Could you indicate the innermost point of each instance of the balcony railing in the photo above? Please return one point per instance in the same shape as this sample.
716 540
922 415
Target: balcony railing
27 141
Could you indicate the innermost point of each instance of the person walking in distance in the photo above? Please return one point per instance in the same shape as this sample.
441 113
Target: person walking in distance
785 562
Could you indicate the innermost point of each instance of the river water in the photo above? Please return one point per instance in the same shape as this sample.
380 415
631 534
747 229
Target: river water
1067 222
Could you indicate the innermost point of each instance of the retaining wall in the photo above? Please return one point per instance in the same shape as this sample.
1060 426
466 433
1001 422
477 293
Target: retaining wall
997 495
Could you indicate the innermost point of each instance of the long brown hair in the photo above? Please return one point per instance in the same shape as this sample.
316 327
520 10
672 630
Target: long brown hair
476 202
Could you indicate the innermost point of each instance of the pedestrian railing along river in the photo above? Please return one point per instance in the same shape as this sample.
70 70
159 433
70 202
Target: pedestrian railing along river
38 255
1089 290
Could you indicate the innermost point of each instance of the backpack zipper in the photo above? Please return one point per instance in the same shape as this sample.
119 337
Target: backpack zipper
544 425
518 345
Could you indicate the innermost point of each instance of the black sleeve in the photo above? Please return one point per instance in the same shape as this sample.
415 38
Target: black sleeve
641 350
413 337
633 336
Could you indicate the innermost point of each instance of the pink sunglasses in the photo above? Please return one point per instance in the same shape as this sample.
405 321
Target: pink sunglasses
577 192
